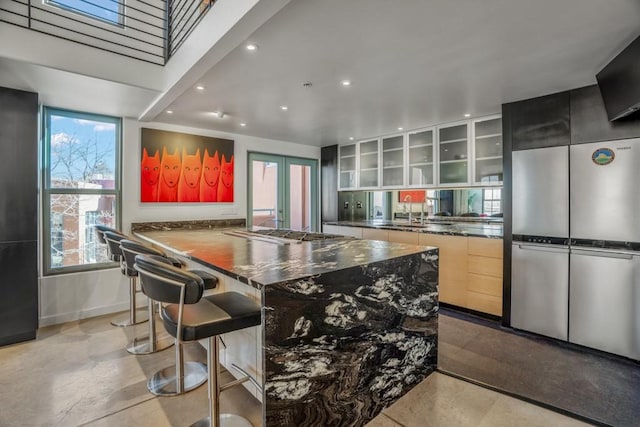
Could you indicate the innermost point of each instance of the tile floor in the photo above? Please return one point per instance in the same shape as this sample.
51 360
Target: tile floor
79 373
597 386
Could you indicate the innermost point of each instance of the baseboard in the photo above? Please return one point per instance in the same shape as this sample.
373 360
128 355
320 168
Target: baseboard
84 314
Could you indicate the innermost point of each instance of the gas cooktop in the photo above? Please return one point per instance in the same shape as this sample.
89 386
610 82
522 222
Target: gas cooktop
302 236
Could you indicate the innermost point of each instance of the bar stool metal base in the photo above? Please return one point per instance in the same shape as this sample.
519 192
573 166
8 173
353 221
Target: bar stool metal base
226 420
142 345
163 382
124 320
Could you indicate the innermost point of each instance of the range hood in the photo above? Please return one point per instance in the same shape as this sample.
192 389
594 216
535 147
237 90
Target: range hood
619 82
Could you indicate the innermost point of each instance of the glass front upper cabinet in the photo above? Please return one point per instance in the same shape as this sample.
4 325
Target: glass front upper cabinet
393 161
347 157
368 172
420 158
488 151
453 142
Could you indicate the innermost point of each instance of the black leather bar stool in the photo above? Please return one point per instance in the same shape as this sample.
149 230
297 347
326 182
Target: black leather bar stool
150 343
113 240
100 229
189 316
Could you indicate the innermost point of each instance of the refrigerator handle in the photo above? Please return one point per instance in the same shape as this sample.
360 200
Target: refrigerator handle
603 254
543 248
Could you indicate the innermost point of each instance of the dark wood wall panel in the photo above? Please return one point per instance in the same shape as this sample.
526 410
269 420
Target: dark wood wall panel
18 165
541 122
18 215
18 291
589 122
329 183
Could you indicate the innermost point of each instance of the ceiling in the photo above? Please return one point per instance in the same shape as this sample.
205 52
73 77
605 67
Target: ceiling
412 63
64 89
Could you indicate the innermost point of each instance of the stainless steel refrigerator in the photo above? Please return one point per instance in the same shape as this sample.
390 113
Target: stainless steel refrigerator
576 244
604 302
540 251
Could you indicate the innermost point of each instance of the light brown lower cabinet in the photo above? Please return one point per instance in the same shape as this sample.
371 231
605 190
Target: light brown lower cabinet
470 267
453 261
375 234
470 271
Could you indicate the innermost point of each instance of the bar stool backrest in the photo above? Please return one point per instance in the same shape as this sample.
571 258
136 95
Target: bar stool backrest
113 244
166 283
100 229
131 248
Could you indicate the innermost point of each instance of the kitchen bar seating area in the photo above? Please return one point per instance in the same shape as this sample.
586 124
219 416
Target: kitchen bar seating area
300 213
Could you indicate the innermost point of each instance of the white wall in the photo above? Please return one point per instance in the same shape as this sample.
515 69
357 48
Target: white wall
80 295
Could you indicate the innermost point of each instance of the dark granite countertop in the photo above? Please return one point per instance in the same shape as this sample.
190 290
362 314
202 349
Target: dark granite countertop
259 263
491 231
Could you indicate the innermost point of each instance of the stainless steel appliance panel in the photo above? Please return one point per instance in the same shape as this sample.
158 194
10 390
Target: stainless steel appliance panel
605 301
605 198
540 289
541 192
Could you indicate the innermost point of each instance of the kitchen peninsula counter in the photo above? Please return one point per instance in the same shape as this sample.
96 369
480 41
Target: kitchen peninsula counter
348 326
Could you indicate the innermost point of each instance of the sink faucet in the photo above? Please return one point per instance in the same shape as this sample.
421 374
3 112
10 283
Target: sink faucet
422 213
407 198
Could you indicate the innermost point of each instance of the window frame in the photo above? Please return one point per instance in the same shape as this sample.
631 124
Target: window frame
60 5
492 200
48 191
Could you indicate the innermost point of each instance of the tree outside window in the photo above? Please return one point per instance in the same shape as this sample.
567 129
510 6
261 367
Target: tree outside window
81 187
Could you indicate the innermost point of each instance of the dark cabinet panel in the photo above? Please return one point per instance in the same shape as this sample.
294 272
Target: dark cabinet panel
18 291
589 122
329 182
18 165
541 122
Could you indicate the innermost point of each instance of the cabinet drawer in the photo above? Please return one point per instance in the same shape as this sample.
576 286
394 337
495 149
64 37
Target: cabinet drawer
342 231
484 303
375 234
408 237
485 266
485 247
454 244
485 284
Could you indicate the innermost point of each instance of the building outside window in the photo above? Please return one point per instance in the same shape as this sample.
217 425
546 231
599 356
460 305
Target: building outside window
110 11
81 188
492 201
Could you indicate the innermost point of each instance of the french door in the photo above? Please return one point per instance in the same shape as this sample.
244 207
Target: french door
283 192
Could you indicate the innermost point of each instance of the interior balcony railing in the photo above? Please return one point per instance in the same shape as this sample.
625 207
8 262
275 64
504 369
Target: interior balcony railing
147 30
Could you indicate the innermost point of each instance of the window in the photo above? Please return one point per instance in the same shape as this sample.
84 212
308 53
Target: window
107 10
81 188
492 201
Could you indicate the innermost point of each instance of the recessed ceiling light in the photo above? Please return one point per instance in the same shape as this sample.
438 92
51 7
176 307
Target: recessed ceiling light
252 46
467 115
346 83
400 128
169 111
284 107
200 87
351 138
243 124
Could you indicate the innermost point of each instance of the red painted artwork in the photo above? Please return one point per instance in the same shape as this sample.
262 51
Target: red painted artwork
210 177
150 175
412 196
183 168
225 187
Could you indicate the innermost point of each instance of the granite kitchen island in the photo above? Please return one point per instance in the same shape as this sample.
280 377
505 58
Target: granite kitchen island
348 326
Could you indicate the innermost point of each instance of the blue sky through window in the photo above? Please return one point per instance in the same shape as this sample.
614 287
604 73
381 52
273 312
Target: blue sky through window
101 9
82 151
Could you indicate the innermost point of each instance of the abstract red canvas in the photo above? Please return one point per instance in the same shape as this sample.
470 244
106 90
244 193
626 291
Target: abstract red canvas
183 168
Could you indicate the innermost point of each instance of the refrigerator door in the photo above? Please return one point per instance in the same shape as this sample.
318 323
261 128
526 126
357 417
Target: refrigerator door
541 192
605 201
540 289
605 301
